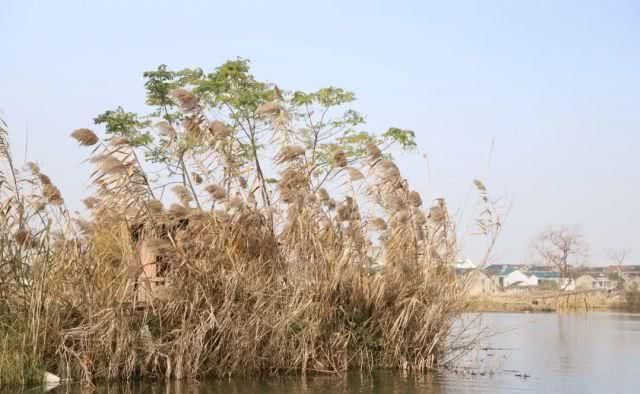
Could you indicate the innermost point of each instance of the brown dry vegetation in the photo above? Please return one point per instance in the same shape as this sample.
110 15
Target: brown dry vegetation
546 301
300 280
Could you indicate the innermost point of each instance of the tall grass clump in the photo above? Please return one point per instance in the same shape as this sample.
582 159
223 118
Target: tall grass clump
237 229
24 256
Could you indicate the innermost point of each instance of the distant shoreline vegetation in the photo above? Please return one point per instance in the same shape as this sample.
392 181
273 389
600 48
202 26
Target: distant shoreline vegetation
550 301
236 228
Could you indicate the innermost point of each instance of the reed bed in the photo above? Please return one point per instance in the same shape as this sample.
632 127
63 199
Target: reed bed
220 277
548 301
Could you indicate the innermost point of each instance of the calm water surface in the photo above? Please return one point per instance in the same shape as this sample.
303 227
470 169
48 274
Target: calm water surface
596 352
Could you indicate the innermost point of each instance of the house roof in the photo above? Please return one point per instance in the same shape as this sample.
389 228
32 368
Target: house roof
623 268
469 271
539 268
545 274
596 275
591 269
502 269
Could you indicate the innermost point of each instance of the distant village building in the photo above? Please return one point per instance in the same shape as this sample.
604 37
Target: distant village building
499 273
519 276
520 288
595 281
567 284
479 283
466 264
585 282
629 275
632 283
628 270
605 282
540 268
542 278
524 278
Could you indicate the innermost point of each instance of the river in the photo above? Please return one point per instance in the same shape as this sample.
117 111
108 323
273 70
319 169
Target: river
596 352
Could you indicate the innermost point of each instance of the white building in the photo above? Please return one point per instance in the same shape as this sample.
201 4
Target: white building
519 276
595 282
478 283
466 264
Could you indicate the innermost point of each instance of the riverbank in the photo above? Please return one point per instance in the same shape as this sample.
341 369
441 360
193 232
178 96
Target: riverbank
548 301
528 353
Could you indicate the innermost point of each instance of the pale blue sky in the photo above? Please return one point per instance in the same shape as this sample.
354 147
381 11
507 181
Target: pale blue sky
556 85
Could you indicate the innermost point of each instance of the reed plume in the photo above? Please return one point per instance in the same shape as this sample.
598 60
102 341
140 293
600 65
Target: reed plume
340 158
355 174
373 152
85 137
415 199
216 192
118 141
187 101
52 194
219 129
269 108
183 194
289 153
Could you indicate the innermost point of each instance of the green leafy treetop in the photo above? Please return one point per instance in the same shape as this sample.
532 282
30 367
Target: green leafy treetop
198 118
120 123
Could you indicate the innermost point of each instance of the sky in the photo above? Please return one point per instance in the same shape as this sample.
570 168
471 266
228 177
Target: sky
538 99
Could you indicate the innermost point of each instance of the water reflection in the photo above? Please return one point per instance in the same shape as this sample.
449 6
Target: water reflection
534 353
382 382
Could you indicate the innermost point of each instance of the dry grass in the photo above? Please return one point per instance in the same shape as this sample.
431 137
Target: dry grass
244 287
506 303
545 301
17 366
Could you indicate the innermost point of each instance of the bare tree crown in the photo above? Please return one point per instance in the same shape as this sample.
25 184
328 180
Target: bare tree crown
561 246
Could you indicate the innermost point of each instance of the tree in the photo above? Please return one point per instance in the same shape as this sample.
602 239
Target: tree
121 123
197 117
561 247
617 256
